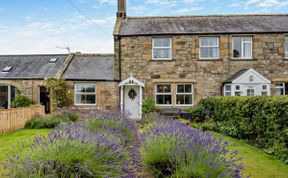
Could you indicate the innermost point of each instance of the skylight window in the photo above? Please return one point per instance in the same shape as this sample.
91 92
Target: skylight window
53 60
7 69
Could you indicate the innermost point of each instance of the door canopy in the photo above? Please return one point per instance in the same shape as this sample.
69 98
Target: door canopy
131 81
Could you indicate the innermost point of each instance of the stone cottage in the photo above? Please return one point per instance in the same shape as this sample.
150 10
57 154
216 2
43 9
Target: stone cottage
90 78
179 60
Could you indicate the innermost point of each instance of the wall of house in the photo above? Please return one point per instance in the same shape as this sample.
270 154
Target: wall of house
107 95
29 88
207 76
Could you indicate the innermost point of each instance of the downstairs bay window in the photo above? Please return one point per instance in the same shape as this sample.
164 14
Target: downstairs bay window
85 94
184 95
281 88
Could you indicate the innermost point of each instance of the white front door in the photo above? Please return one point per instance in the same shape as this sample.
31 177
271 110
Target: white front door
131 100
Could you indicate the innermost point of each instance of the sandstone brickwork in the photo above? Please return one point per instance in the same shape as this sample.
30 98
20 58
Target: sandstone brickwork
206 75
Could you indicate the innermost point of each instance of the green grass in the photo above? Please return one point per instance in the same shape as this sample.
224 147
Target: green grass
257 163
8 140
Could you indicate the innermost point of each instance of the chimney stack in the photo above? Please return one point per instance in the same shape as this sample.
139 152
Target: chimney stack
121 13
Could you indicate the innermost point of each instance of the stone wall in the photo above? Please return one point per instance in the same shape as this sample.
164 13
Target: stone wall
107 95
207 76
29 88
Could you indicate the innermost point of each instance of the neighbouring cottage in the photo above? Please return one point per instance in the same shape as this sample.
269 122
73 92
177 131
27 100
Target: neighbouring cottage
90 78
179 60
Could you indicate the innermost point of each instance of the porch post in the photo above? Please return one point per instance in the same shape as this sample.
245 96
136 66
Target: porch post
140 102
121 99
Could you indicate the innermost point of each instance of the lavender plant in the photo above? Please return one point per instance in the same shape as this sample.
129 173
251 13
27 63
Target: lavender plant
93 147
173 149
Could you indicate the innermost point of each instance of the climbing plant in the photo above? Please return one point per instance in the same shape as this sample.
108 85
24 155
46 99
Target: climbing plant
59 92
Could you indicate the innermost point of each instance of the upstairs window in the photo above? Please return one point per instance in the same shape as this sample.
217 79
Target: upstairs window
209 48
242 47
85 94
162 49
286 47
164 94
281 89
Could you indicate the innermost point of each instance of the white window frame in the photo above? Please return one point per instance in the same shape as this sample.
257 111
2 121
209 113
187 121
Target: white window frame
224 89
84 93
251 87
171 93
191 93
242 47
266 90
286 47
170 47
237 90
280 87
200 47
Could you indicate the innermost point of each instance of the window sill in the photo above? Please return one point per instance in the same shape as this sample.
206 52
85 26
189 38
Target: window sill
242 59
85 104
218 59
162 60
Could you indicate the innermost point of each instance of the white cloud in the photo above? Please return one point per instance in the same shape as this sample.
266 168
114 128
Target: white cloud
44 36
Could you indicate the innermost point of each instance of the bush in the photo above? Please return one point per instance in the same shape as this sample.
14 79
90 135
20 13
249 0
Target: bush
173 149
262 121
149 118
21 101
92 147
148 106
52 121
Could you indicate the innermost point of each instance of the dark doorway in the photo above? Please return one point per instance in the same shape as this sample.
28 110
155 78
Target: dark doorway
44 99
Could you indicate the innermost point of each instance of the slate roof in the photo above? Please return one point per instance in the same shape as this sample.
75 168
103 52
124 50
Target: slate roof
235 76
91 67
210 24
30 66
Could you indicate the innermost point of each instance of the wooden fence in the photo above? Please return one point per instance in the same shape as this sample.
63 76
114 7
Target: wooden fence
13 119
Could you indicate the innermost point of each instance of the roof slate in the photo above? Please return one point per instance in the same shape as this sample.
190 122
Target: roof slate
235 76
91 67
210 24
30 66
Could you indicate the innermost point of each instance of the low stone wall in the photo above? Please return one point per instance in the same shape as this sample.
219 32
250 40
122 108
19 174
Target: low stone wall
13 119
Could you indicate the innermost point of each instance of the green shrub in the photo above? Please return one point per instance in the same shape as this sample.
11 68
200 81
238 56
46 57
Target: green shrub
148 118
21 101
262 121
148 106
197 112
51 121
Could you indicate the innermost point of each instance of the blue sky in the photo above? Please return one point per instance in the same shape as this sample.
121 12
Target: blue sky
39 26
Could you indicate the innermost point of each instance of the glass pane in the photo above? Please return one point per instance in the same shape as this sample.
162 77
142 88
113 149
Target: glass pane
180 89
161 42
85 88
279 91
163 88
188 88
14 93
279 84
164 99
204 52
204 42
227 93
286 88
227 87
237 93
264 87
3 97
213 41
162 53
188 99
213 52
264 93
237 87
247 50
237 47
180 99
86 99
247 39
250 92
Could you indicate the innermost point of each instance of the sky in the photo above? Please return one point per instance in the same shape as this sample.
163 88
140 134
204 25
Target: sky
48 26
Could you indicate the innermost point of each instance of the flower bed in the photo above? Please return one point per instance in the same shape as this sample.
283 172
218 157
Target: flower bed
98 146
173 149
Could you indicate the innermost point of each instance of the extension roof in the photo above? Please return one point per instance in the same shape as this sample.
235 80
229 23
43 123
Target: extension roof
91 67
209 24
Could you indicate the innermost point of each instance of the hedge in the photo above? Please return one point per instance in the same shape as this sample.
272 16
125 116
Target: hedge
262 121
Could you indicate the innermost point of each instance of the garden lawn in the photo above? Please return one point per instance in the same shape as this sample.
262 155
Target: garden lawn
8 140
258 164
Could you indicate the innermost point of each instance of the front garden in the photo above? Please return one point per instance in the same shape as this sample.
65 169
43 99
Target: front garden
108 144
